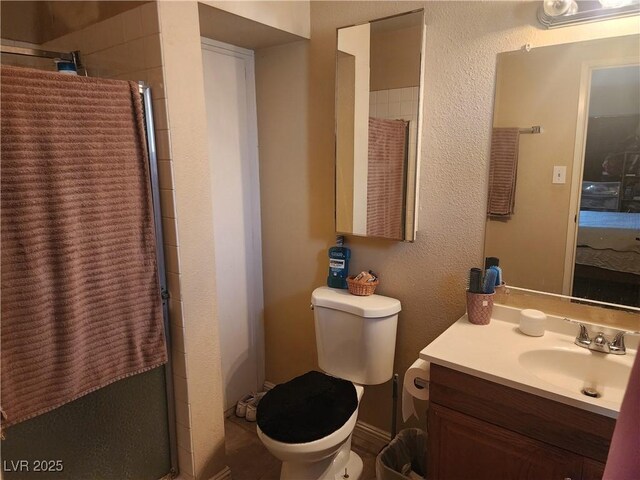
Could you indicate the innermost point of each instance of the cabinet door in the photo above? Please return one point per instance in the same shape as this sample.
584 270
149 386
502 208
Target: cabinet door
465 448
592 470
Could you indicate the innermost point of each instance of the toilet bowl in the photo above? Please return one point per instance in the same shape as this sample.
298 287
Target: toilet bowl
355 337
320 459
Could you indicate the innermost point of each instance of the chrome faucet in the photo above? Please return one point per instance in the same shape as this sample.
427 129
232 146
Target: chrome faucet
600 343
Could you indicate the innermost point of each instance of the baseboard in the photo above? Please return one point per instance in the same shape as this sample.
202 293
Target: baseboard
224 474
372 439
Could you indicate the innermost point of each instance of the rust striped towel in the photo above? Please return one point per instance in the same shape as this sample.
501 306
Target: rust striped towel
80 295
386 177
503 171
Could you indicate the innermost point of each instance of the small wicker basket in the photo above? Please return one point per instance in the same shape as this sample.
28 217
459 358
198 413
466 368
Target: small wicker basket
361 289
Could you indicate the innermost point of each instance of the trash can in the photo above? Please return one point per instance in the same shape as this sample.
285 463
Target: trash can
404 457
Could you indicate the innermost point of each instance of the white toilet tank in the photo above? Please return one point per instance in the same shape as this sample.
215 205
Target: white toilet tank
356 336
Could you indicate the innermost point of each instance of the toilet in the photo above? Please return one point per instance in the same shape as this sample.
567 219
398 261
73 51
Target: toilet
307 422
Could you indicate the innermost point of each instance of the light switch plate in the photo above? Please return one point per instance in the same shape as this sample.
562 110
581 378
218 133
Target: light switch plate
559 174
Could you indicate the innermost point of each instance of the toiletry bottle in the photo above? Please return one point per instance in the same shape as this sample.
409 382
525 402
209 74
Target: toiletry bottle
66 67
338 264
493 264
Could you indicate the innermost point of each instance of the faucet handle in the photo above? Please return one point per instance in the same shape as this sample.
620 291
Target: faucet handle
617 344
583 340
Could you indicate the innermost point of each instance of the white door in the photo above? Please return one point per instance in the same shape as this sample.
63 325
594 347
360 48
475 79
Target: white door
233 155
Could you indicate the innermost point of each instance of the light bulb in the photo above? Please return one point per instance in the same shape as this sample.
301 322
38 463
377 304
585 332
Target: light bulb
555 8
614 3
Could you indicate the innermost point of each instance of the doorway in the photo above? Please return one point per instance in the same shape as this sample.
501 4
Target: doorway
606 251
230 100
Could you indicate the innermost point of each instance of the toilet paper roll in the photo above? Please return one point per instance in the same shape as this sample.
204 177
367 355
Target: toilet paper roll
415 385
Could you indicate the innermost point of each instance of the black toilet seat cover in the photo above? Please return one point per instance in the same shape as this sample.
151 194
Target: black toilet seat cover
307 408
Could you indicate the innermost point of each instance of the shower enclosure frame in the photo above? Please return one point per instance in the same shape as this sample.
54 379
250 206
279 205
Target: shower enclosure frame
145 95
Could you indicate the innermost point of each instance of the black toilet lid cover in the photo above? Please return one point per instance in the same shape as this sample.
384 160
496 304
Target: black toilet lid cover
307 408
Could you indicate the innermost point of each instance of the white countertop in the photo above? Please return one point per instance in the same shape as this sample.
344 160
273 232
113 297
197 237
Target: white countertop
500 353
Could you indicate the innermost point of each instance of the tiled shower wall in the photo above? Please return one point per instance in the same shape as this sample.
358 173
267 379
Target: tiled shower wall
396 103
128 47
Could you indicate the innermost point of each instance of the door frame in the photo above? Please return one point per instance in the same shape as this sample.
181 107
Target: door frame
256 307
578 160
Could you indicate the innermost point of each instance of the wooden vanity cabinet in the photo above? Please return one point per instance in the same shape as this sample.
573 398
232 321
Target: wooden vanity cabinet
481 430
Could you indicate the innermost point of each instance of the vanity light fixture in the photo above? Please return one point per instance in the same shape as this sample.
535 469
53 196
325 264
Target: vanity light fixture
562 13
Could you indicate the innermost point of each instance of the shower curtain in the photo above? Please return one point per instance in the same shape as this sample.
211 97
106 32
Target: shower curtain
81 305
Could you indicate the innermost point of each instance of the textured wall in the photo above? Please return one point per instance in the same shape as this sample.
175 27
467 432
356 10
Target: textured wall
428 276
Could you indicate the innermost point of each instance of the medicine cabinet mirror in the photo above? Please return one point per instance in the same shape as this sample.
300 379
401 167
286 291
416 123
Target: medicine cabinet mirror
379 77
574 228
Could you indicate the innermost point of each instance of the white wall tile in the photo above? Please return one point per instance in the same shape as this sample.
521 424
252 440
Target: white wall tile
184 437
132 23
177 338
406 108
185 461
395 95
152 51
149 18
175 311
169 231
394 109
173 282
183 413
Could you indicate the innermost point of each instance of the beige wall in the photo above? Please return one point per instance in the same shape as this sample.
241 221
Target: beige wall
395 58
541 87
289 188
289 16
428 276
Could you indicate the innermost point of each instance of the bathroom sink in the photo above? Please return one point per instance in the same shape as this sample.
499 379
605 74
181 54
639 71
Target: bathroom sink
550 366
593 374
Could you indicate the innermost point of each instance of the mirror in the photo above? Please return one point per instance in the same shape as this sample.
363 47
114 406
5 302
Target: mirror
378 115
566 218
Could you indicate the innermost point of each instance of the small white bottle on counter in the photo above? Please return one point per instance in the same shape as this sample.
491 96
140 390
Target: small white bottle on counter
533 322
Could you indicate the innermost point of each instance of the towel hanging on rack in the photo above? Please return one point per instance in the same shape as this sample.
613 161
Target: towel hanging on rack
503 171
81 304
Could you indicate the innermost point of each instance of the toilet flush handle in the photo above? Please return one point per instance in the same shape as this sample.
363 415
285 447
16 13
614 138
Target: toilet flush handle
311 306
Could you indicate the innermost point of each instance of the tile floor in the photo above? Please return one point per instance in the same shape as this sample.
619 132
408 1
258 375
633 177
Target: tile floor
249 460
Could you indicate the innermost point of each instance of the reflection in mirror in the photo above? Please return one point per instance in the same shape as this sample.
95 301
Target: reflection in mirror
572 225
378 78
607 256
